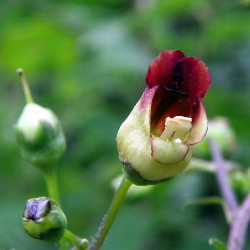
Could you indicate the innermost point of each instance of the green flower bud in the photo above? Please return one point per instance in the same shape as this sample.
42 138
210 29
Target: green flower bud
38 132
44 219
219 130
40 136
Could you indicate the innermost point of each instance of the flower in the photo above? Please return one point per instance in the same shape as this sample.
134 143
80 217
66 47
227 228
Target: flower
154 142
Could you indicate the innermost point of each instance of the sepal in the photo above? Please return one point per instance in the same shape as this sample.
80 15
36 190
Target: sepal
141 157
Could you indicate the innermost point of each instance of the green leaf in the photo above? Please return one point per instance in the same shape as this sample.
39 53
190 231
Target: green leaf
217 244
214 200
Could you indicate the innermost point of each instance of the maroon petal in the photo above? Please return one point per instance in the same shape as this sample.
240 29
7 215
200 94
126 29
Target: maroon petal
191 76
160 70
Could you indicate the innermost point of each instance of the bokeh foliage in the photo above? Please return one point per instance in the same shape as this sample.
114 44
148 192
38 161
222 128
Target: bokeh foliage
87 60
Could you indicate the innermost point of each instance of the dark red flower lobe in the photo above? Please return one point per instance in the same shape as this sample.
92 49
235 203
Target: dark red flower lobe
161 69
179 74
182 83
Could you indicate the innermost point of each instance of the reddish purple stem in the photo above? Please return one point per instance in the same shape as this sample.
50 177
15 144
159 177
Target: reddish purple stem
239 226
222 178
241 215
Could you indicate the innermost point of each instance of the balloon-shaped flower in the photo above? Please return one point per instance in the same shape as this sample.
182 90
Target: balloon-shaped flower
154 142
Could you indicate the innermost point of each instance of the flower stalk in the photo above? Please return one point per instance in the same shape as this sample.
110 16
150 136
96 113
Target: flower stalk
240 215
81 244
108 219
50 177
223 182
239 226
26 88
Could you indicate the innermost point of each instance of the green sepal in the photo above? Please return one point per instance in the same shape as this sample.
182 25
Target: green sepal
27 144
47 149
134 176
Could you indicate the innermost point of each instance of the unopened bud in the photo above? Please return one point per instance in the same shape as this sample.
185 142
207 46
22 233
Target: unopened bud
40 136
38 132
44 219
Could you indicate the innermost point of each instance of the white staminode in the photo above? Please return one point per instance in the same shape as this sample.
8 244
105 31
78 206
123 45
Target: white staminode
177 128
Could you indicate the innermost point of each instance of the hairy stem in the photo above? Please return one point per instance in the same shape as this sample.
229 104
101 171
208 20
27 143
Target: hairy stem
222 179
108 219
239 226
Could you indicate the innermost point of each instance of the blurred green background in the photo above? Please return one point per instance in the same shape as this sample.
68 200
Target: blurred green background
87 60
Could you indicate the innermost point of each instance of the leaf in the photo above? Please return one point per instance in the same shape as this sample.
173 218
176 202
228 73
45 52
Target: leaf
217 244
214 200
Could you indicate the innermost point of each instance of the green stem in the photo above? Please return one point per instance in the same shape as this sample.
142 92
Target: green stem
108 219
51 182
52 186
26 88
81 244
